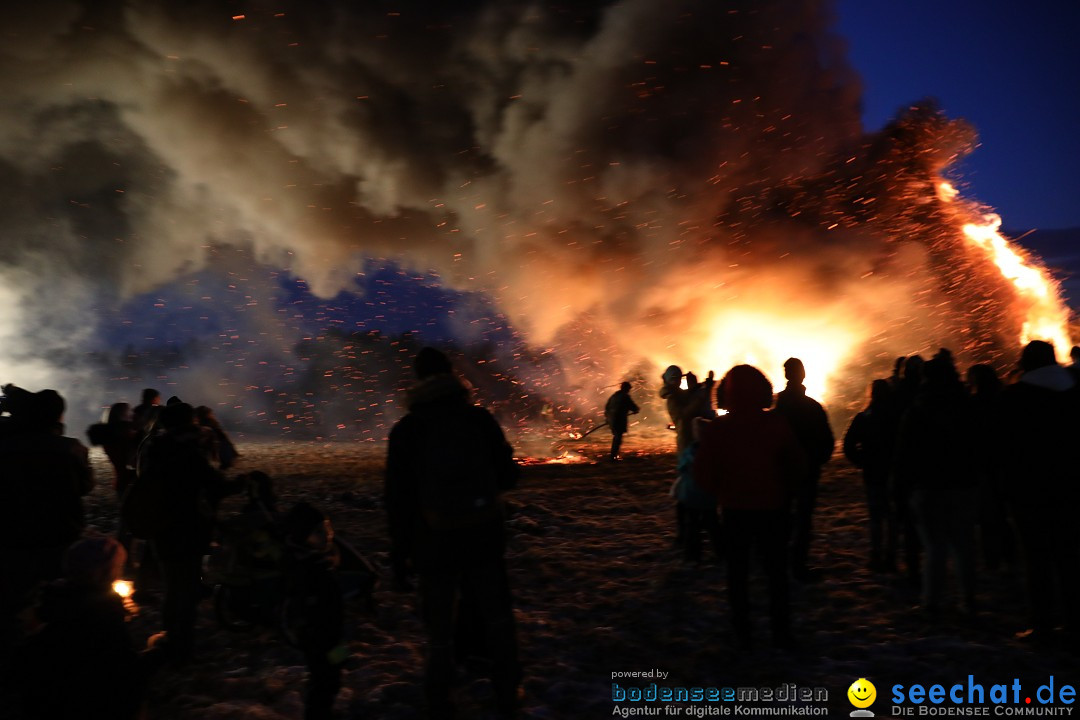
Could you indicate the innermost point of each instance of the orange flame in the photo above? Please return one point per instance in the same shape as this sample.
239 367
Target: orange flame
1047 318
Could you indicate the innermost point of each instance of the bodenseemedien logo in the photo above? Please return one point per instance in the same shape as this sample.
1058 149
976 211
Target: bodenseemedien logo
862 694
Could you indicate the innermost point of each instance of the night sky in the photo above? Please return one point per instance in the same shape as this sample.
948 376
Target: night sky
623 184
1010 68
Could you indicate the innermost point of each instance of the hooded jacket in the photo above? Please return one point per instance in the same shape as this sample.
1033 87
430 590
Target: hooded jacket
447 460
1039 424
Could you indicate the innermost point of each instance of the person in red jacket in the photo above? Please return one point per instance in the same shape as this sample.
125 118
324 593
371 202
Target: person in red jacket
751 460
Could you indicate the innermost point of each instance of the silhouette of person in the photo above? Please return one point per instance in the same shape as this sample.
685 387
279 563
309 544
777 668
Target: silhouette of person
870 444
683 406
192 490
222 446
146 412
935 460
1040 421
45 476
447 464
616 411
698 507
904 535
311 583
995 530
752 461
120 441
81 662
811 425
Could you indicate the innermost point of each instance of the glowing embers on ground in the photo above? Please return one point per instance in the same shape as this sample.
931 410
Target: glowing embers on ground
1046 316
566 457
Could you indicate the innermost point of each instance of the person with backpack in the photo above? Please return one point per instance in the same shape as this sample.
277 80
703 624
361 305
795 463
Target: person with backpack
447 464
173 503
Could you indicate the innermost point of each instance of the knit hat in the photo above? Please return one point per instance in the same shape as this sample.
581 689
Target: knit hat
430 361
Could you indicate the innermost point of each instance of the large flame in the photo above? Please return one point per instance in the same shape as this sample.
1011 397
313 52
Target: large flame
766 337
1047 317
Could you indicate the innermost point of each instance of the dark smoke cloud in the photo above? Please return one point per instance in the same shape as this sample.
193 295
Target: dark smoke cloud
612 173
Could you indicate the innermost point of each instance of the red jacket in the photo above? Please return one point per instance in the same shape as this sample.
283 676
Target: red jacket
751 460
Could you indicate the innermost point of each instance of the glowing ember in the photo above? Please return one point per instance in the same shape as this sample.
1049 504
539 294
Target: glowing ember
123 588
567 457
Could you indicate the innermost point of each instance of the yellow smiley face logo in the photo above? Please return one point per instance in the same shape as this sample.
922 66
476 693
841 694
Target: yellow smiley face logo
862 693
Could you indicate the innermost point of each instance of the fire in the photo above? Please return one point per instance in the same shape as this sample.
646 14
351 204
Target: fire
765 340
1047 318
567 457
766 337
123 588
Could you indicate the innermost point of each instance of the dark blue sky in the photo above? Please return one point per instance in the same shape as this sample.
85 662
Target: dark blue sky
1012 69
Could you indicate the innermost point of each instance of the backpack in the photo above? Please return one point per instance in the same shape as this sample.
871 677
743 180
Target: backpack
461 472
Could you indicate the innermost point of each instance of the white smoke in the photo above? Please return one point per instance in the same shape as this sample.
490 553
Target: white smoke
647 169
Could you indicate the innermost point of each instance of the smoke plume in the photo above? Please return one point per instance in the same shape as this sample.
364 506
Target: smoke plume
633 182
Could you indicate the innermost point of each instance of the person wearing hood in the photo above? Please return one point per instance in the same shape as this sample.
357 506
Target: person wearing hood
447 465
1040 420
751 460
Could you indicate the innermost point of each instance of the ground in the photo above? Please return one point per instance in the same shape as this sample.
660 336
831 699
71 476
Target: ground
600 590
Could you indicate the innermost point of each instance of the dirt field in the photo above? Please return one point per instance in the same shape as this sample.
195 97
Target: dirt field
600 590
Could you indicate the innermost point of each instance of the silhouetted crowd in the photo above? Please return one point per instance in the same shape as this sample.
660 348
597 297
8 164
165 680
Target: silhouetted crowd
974 471
63 634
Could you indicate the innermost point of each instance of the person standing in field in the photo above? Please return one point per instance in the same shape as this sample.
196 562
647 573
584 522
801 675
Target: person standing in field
447 465
619 407
811 425
751 460
683 405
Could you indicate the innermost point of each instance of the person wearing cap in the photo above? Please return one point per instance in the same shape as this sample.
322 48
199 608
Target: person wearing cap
616 411
447 464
